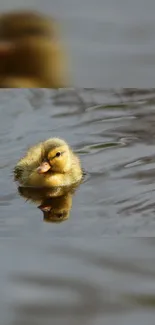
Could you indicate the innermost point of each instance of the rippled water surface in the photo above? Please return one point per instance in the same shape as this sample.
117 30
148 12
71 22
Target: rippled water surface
70 272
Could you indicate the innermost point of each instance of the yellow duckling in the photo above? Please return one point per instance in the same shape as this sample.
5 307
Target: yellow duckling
40 59
49 164
31 52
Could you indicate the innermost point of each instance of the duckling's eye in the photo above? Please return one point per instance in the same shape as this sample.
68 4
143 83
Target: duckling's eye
58 154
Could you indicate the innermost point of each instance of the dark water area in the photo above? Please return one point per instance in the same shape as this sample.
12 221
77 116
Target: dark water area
91 268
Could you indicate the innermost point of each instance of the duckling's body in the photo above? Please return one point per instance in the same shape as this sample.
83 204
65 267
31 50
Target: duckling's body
49 164
38 58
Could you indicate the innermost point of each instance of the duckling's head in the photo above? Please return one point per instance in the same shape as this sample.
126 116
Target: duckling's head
17 24
56 157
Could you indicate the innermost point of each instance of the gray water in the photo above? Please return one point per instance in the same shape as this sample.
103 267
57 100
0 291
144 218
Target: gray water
84 270
109 43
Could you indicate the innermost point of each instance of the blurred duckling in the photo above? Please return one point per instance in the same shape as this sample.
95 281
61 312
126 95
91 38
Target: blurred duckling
40 59
50 163
18 24
18 82
35 52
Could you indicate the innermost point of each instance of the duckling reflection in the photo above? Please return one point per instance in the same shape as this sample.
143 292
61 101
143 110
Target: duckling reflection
54 203
57 209
31 53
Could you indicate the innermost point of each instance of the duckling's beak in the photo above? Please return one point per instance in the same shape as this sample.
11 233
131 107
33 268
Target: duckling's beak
43 168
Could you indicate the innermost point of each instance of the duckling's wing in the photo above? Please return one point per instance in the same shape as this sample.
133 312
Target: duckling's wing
30 161
17 172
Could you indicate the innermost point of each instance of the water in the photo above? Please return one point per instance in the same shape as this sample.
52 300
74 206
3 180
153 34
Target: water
81 270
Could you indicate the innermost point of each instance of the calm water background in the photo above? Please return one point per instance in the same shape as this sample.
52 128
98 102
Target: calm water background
81 271
111 43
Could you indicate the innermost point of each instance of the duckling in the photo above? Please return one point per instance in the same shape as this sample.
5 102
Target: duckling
40 59
34 51
50 163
